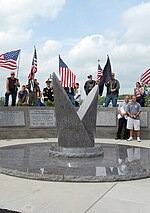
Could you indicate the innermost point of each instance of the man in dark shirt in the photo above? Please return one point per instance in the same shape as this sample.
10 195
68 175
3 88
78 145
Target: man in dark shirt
22 96
11 89
113 87
48 92
89 84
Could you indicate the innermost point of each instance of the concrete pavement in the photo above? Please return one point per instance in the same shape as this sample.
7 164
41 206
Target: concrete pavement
30 196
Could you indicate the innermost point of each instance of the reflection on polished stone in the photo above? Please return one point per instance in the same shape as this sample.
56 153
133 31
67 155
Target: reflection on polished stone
120 162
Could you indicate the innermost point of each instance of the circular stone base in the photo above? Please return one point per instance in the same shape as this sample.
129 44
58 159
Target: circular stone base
34 161
76 152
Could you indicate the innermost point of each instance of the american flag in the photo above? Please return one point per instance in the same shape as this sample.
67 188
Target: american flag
9 60
99 71
67 77
145 77
34 66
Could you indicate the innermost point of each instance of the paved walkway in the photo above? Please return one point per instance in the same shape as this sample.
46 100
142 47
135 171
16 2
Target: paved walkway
33 196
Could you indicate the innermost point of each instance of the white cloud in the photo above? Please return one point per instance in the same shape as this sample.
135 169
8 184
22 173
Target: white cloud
17 19
12 39
136 21
51 47
129 53
14 12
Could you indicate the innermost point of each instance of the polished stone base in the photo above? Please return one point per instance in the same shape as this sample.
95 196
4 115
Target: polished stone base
76 152
33 161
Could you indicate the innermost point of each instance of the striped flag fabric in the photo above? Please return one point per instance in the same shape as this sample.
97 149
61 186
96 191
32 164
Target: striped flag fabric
67 77
99 71
9 60
34 66
145 77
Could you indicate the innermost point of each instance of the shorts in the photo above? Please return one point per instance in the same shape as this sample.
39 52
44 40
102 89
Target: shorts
133 124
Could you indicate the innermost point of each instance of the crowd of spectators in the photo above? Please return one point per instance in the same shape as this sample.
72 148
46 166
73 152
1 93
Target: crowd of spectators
30 94
128 111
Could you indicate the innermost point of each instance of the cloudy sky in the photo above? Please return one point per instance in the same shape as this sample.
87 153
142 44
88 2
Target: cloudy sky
81 31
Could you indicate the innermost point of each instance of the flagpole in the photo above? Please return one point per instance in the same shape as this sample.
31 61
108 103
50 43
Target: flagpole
18 64
33 59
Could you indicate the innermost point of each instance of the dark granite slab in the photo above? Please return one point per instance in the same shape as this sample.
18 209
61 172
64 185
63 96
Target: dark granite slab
33 161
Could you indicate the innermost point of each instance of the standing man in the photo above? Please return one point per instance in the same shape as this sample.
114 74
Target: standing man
48 92
89 84
33 89
122 119
11 89
113 87
77 96
134 110
70 93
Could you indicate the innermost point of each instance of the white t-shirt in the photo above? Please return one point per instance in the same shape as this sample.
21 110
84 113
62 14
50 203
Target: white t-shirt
78 93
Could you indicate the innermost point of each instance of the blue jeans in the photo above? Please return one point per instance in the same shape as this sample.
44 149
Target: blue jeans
112 98
71 97
39 103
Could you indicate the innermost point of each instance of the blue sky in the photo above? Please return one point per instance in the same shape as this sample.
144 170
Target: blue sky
83 17
82 31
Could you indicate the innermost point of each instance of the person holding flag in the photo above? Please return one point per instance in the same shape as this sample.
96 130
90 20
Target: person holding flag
113 87
33 87
112 84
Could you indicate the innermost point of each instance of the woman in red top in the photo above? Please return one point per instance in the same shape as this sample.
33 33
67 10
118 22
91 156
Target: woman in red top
139 92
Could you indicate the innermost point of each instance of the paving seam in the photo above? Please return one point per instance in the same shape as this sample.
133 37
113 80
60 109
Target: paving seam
100 198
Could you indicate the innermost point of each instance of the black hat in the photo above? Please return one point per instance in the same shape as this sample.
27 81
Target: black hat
48 81
89 76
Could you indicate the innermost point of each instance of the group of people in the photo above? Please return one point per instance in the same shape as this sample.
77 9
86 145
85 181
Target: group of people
74 94
128 112
129 119
112 85
29 94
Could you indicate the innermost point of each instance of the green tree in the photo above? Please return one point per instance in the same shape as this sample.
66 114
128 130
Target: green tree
101 100
1 101
146 98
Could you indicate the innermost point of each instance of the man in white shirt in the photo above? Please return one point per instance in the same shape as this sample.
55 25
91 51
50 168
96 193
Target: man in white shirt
122 119
77 96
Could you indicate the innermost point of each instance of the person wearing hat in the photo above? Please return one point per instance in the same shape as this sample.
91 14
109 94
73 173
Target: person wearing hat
11 89
48 92
89 84
113 87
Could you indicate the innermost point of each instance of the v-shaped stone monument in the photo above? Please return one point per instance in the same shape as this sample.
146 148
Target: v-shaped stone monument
75 129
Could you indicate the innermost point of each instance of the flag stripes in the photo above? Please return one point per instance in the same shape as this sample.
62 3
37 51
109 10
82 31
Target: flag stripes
34 66
99 71
145 77
67 77
9 60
